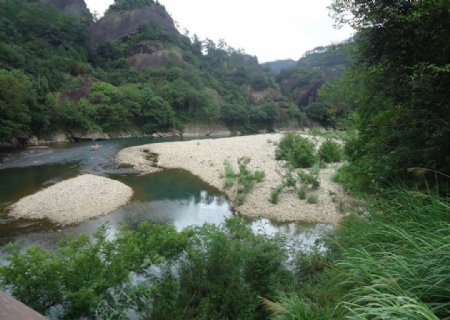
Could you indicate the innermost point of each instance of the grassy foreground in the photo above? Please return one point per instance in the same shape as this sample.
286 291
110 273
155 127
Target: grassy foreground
391 263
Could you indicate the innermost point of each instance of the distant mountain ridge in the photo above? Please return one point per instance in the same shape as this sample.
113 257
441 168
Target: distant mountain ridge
302 80
278 65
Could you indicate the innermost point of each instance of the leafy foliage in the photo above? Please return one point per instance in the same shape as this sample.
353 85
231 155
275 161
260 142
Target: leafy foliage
298 151
83 271
72 84
206 272
392 264
224 272
17 99
330 151
403 107
123 5
245 179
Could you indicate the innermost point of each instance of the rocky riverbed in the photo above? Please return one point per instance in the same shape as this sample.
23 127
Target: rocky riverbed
205 158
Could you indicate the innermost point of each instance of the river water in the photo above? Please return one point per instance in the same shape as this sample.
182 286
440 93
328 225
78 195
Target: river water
171 196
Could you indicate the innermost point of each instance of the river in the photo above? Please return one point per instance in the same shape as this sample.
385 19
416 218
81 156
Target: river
171 196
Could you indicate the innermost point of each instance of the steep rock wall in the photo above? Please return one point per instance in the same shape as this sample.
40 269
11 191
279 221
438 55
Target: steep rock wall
115 26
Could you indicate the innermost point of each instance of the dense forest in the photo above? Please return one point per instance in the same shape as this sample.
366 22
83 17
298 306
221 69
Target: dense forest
387 87
61 70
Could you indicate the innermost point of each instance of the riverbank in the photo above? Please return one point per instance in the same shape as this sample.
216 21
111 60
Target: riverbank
205 158
73 201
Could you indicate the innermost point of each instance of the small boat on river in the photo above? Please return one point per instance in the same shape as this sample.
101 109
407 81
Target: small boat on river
96 147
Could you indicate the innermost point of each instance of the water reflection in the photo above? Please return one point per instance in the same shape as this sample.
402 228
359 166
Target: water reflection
171 196
302 236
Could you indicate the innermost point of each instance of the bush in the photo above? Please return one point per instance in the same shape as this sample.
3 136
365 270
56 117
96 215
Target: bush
245 179
393 264
81 273
330 151
275 195
312 198
299 152
302 193
309 180
223 273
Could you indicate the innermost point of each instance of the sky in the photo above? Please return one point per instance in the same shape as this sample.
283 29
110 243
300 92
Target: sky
271 30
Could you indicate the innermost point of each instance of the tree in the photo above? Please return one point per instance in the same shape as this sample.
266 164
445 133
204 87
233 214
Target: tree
404 50
16 97
157 114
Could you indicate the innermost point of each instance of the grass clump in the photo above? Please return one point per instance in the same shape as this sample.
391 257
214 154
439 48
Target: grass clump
229 175
298 151
330 151
275 195
302 192
312 198
245 179
309 179
391 263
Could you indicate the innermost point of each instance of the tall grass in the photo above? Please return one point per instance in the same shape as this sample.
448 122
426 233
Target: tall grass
393 263
245 179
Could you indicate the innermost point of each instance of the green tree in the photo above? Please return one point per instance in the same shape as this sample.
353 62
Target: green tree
83 272
17 96
406 75
156 113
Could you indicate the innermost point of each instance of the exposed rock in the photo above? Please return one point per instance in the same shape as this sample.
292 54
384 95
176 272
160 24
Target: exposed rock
117 26
191 131
257 96
146 48
167 134
77 8
54 137
305 94
80 135
158 59
33 141
82 91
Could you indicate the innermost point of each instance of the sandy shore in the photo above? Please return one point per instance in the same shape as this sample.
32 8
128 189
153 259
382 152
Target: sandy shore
74 200
205 159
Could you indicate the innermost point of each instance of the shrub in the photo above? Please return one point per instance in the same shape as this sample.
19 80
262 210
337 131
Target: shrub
309 180
330 151
223 272
312 198
245 179
299 152
275 195
229 175
302 193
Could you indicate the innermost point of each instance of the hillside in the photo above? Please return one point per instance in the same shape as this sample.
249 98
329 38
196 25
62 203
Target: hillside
278 65
130 72
302 80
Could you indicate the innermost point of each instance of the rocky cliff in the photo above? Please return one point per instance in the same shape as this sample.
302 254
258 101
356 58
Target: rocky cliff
116 26
76 8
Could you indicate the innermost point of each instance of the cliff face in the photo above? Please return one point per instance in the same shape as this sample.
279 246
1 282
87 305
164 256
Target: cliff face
116 26
76 8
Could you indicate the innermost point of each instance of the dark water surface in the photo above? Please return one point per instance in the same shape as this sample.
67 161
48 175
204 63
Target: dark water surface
171 196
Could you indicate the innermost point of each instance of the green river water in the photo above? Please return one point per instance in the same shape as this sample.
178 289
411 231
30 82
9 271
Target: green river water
171 196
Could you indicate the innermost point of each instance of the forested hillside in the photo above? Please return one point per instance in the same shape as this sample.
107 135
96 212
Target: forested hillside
301 82
389 256
130 71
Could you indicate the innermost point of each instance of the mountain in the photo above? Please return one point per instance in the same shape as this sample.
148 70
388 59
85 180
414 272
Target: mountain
77 8
301 81
116 25
129 72
278 65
